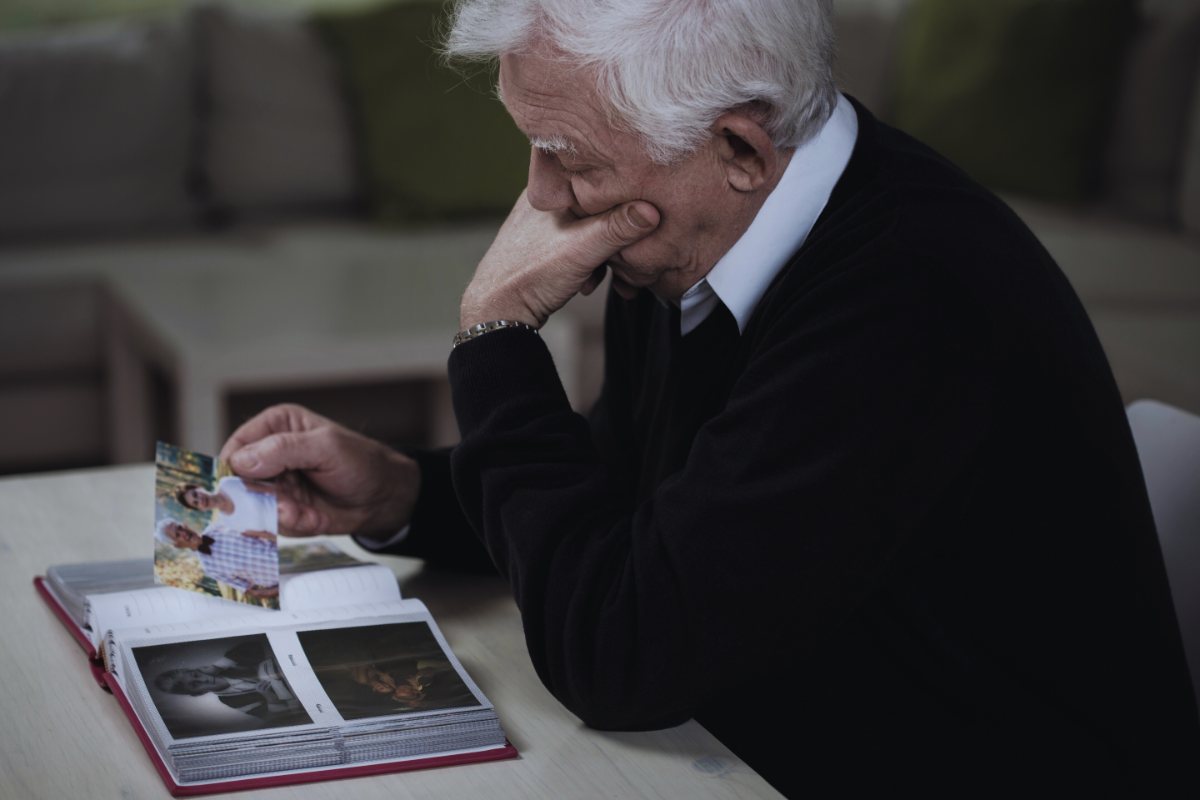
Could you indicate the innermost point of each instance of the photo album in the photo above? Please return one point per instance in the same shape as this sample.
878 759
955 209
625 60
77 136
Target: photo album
244 661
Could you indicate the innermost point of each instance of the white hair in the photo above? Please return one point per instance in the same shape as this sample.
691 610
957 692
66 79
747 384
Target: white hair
160 530
668 68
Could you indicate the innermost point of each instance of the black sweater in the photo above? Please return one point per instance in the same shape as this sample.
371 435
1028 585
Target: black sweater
900 516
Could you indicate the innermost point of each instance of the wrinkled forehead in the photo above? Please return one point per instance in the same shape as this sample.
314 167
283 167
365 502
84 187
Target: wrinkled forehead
555 103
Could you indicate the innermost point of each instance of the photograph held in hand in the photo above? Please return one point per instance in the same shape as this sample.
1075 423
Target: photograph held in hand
215 532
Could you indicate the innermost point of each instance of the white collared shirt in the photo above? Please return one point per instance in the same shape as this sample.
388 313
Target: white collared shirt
743 274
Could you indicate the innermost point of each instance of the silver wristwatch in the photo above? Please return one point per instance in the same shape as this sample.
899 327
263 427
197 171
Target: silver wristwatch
475 331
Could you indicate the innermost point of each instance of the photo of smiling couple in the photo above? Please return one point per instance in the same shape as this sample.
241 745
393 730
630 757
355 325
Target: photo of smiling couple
215 533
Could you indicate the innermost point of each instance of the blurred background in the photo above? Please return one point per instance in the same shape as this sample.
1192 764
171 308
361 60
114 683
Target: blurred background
209 207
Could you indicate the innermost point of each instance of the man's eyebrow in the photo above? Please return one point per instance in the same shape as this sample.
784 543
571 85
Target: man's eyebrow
551 144
554 143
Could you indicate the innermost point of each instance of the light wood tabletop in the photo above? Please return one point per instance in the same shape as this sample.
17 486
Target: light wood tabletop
63 737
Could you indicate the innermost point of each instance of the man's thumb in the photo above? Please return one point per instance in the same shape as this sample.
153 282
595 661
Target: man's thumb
626 224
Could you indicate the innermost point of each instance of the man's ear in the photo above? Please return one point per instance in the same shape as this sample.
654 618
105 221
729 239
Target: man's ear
747 154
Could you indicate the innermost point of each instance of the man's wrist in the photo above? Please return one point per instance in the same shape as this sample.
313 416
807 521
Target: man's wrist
398 488
475 310
380 542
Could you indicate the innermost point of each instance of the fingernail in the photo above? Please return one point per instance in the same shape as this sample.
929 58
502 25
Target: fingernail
638 218
243 460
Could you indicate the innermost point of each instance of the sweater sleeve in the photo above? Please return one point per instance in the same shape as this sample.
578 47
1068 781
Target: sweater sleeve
438 532
855 412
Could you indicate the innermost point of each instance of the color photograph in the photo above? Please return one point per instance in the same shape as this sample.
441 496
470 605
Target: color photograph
214 532
313 557
379 670
218 686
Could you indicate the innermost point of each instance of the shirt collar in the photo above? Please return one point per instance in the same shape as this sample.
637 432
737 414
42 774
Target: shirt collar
743 274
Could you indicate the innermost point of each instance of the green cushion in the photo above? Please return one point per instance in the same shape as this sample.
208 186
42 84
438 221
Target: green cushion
433 144
1017 92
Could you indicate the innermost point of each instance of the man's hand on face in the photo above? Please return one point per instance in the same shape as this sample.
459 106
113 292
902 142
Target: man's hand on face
330 479
541 259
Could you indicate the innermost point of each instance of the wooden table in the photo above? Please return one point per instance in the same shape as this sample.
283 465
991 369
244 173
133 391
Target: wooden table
65 738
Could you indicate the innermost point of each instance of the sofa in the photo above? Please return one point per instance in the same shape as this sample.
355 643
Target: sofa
144 160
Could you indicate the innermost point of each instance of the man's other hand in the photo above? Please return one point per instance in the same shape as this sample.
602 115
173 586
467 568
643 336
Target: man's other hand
330 480
541 259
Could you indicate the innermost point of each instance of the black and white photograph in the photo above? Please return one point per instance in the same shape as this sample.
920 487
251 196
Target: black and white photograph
218 686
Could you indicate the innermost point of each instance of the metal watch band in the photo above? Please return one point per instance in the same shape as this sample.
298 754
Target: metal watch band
475 331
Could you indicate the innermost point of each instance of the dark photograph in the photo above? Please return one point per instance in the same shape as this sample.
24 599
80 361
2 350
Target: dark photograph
378 670
218 686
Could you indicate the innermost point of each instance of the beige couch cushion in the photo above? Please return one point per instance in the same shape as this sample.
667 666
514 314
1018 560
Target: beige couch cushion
277 134
95 129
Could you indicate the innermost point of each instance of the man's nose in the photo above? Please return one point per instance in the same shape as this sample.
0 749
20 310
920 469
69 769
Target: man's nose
548 189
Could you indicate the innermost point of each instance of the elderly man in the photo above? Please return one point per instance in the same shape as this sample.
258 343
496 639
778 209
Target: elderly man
248 560
857 441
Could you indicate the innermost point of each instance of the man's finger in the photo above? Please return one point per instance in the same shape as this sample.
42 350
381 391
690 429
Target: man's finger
310 522
276 419
594 280
298 519
286 510
622 226
278 453
261 425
